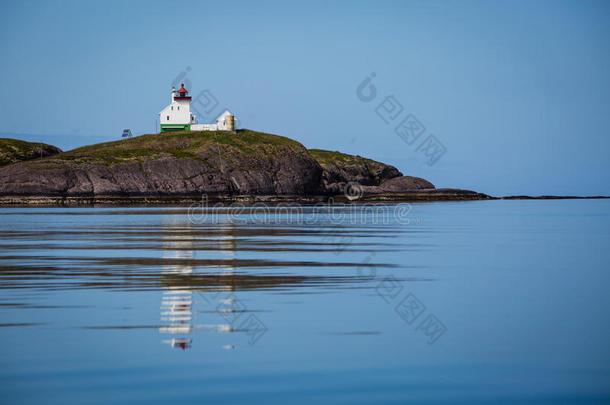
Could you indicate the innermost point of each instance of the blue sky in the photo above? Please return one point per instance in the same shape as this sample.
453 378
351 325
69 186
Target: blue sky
518 93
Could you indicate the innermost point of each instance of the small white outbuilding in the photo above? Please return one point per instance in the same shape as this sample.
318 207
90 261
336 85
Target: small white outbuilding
224 122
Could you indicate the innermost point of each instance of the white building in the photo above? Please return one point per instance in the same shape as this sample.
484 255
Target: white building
224 122
178 117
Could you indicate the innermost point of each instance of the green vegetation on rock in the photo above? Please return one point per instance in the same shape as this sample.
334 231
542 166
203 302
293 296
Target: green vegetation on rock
327 156
14 150
180 144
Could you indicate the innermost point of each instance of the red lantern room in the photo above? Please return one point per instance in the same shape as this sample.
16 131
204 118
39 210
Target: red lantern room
182 93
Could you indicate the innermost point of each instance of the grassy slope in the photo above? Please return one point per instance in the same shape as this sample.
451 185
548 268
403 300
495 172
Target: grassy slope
15 150
188 144
326 157
179 144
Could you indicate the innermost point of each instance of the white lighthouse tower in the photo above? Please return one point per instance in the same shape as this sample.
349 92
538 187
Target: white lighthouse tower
177 116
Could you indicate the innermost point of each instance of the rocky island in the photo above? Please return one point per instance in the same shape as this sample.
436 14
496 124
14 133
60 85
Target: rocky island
181 166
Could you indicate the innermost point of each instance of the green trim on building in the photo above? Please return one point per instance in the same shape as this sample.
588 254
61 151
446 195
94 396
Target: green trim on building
175 127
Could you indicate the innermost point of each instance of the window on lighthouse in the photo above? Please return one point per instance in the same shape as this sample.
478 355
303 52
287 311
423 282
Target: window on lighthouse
168 117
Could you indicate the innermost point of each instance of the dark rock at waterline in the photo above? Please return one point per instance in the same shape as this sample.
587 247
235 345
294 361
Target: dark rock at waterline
341 171
403 183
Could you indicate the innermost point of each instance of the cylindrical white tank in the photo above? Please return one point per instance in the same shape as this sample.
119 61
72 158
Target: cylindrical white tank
230 122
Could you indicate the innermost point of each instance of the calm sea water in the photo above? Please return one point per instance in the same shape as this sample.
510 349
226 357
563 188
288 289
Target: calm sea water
467 302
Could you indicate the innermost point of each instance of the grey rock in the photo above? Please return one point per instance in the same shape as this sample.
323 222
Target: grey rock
246 163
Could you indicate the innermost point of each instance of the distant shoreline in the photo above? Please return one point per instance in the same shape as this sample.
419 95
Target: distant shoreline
211 200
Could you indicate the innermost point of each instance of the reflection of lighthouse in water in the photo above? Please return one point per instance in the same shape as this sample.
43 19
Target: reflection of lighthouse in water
177 302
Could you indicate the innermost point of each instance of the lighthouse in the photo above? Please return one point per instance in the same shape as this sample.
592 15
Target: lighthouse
178 117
